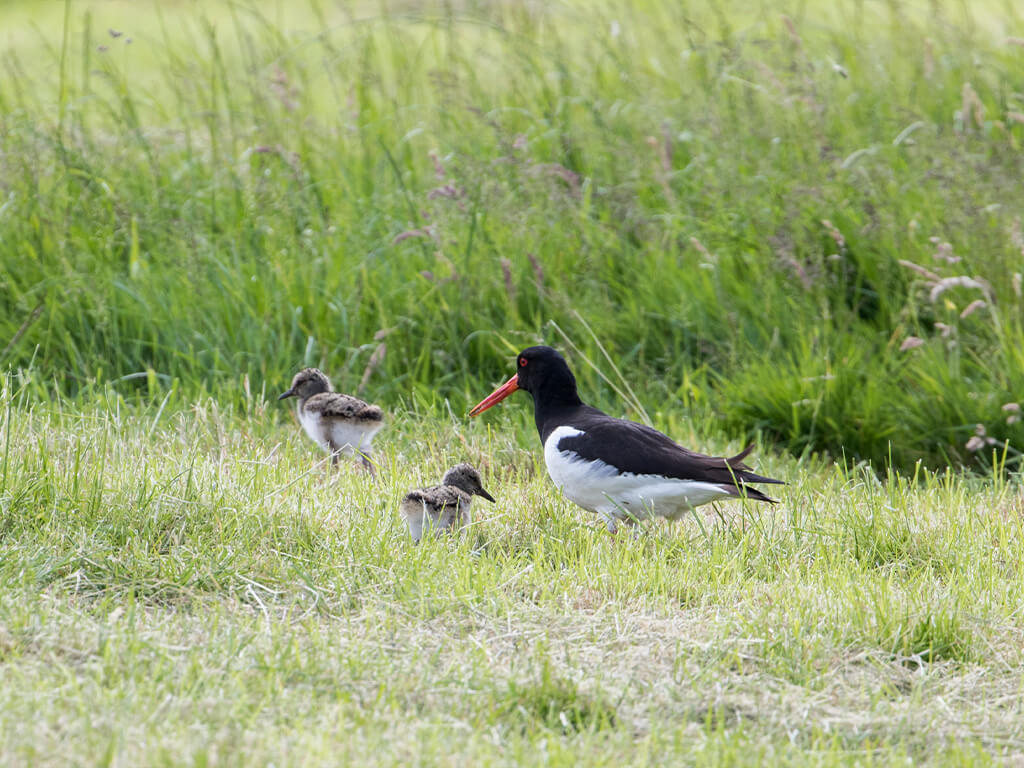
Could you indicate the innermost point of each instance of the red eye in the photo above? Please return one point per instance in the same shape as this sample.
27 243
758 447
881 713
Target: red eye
522 362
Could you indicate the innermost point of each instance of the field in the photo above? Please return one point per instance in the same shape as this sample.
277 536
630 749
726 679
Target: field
800 226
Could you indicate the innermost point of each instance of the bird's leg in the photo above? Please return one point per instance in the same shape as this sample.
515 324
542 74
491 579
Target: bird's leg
368 465
613 533
335 453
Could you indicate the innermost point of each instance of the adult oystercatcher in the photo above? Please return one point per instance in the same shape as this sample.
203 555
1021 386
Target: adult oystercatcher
446 506
620 469
338 423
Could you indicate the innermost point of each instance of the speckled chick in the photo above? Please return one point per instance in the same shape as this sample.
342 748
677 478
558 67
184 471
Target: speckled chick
444 507
338 423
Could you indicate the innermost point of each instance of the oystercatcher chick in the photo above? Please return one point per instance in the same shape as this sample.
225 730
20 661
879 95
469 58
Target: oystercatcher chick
341 424
619 469
443 507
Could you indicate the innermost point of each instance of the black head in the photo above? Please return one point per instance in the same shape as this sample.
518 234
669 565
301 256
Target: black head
543 369
543 373
466 477
307 382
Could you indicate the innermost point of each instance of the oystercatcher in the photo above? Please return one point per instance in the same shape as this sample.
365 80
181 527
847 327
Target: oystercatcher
338 423
446 506
620 469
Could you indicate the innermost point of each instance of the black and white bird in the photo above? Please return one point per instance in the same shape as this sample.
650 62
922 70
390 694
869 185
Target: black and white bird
340 424
617 468
443 507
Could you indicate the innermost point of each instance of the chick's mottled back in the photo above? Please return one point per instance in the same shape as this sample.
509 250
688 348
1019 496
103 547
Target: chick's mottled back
337 422
443 507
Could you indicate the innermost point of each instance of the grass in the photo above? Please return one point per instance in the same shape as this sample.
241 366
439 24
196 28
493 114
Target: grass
775 224
192 586
758 215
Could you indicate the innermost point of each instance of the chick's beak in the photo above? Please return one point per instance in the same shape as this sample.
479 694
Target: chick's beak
289 393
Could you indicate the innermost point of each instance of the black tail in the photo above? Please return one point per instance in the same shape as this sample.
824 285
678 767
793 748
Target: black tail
756 495
744 474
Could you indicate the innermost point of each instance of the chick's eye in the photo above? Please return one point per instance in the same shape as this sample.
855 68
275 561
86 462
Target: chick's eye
522 362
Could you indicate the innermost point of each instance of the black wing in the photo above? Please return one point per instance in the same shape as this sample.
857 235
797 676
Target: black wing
641 450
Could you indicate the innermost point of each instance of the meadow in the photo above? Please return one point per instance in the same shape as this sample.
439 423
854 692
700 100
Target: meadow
797 223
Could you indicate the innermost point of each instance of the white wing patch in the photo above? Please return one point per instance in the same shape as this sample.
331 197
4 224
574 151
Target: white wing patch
599 487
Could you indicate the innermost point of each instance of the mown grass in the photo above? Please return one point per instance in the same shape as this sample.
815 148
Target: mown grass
753 212
197 587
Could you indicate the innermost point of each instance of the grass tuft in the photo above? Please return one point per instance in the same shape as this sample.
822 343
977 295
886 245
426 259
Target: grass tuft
554 703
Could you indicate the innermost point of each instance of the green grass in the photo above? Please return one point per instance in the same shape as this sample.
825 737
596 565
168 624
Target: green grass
749 209
195 587
729 200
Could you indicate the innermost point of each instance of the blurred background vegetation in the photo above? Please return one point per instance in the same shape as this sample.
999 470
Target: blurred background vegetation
796 219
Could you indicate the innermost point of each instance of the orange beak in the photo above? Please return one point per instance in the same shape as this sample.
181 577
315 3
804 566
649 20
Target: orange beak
496 396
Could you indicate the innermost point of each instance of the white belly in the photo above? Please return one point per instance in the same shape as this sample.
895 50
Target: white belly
422 518
599 487
345 436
